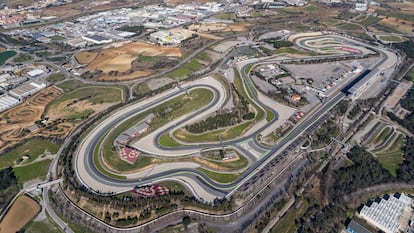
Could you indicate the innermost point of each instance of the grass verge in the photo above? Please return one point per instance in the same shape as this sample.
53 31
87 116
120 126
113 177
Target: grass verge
219 177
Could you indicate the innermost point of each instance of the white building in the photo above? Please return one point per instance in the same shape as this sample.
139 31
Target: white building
7 102
35 73
361 6
172 37
97 39
386 213
26 89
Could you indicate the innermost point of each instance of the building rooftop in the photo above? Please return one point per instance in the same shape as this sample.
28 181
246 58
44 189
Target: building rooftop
355 227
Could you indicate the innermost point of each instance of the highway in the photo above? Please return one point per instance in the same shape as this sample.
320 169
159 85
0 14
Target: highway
92 178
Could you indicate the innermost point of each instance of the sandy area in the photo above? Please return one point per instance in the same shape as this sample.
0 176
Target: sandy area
397 94
120 58
14 121
175 2
21 212
85 57
218 27
397 24
123 77
226 45
63 111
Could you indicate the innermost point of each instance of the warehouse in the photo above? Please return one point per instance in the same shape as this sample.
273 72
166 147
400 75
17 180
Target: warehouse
96 39
7 102
386 212
27 89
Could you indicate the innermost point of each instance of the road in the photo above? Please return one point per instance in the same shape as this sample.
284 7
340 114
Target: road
92 178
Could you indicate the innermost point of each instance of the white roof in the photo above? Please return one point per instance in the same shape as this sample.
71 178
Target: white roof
126 34
35 72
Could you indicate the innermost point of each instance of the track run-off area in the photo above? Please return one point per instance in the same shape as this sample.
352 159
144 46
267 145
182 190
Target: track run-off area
188 173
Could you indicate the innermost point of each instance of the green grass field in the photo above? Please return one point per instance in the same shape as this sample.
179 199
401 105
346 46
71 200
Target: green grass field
219 177
203 56
193 65
370 21
71 85
57 37
4 56
269 115
392 156
240 87
382 137
99 166
287 223
410 75
41 227
167 141
98 95
349 26
236 131
196 99
56 77
33 148
22 58
225 16
179 73
212 136
392 38
32 171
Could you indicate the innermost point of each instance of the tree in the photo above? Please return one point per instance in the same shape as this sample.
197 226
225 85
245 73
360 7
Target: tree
186 221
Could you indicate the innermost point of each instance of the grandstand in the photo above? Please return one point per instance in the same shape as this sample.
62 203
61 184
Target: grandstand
128 154
150 191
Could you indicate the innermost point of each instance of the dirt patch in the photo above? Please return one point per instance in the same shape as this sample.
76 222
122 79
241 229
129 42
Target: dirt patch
120 62
156 83
14 122
397 24
85 57
124 77
226 45
176 2
22 211
64 111
238 27
397 94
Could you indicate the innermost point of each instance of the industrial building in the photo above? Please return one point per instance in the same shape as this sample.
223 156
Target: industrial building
27 89
35 73
132 132
386 212
97 39
171 37
7 102
360 84
355 227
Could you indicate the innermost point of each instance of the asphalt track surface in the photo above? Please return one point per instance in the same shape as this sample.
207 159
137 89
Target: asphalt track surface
202 179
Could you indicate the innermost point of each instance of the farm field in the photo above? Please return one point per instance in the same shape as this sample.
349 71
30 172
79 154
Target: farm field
116 63
21 212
